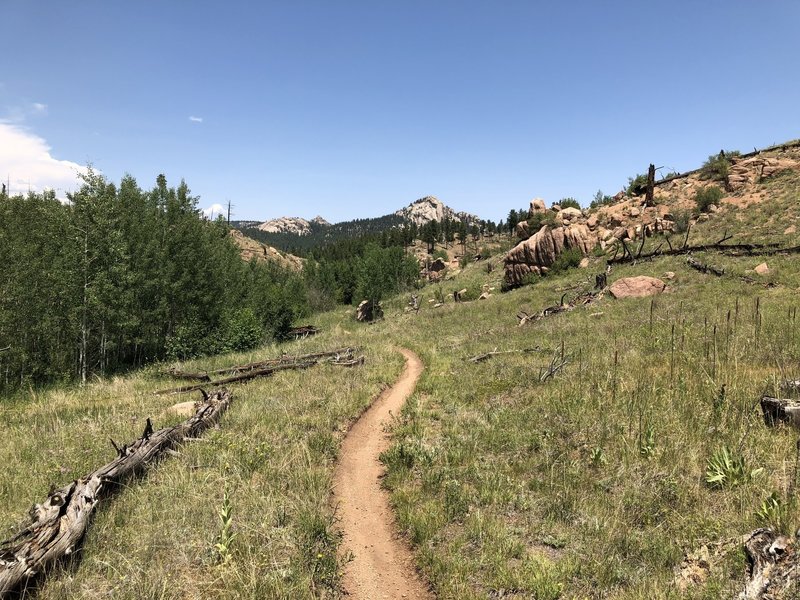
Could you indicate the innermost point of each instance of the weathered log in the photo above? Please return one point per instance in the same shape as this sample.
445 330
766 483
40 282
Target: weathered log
302 331
239 378
359 360
791 387
704 268
58 524
286 358
728 249
773 566
780 410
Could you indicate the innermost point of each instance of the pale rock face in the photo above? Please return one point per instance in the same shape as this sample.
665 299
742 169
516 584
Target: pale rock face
286 225
539 252
762 269
522 230
431 208
538 206
636 287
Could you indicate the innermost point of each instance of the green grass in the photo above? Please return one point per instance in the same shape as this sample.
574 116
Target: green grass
592 484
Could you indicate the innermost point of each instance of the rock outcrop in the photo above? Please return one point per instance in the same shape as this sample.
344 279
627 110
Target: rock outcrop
250 249
431 208
636 287
296 225
540 251
368 311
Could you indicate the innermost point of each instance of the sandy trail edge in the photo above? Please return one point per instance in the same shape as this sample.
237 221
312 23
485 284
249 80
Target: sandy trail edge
382 565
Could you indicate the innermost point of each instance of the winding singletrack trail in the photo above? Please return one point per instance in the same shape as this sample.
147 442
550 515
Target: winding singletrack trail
382 565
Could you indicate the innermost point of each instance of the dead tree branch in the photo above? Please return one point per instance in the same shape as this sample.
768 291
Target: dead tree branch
60 522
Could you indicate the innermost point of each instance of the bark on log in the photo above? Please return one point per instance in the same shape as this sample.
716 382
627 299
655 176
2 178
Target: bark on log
773 568
780 410
60 522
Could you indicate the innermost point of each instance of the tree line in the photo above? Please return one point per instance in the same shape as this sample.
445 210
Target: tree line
118 276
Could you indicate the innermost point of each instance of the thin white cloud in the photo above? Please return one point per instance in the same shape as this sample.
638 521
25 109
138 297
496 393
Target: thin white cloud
26 164
194 119
213 211
19 113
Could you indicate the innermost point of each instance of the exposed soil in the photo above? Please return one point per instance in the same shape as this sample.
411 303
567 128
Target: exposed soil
382 565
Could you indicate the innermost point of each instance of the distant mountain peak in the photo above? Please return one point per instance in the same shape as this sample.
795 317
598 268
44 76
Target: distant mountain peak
429 208
296 225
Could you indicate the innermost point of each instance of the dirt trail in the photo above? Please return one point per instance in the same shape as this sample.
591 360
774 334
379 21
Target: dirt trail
382 565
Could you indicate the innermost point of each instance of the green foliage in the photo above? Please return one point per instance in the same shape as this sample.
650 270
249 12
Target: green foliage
540 219
121 276
718 166
569 203
681 219
773 512
226 534
601 199
440 254
707 196
568 259
384 271
636 185
725 470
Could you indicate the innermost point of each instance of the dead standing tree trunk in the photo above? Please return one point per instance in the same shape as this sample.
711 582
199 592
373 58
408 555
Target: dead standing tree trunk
651 181
58 524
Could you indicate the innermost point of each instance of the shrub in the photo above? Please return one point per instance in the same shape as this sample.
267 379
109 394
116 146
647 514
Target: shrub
569 203
725 469
718 166
636 185
681 220
538 220
440 254
707 196
568 259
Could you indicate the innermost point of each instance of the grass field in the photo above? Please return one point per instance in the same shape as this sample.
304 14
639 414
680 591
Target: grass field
591 484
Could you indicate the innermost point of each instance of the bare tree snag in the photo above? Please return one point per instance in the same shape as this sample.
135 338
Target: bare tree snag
58 524
651 180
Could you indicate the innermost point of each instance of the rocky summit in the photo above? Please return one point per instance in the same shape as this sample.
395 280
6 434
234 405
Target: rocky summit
296 225
430 208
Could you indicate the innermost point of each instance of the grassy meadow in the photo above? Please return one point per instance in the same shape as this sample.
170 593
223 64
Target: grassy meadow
590 484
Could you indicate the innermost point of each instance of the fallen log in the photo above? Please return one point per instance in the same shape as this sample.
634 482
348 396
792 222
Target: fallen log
286 358
773 566
790 387
780 410
704 268
359 360
302 332
239 378
579 300
58 524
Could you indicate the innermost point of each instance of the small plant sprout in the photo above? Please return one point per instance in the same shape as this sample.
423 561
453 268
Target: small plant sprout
726 470
226 535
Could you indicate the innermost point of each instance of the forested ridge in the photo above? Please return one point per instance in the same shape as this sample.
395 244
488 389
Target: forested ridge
119 276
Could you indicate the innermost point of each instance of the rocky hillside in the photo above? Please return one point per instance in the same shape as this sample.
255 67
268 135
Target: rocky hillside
431 208
756 200
250 249
293 225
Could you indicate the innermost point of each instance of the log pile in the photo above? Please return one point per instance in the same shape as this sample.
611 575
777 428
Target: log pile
58 525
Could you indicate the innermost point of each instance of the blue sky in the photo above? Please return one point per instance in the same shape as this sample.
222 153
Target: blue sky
354 109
